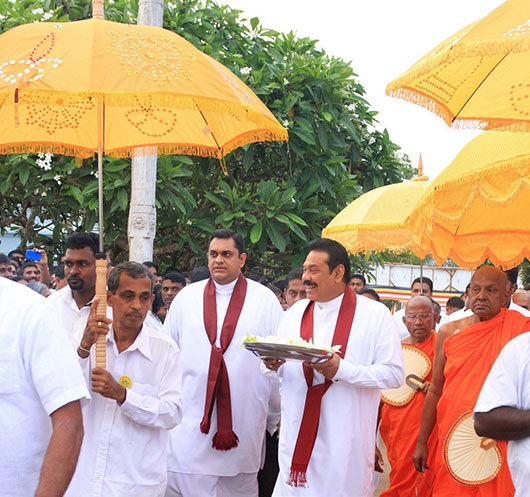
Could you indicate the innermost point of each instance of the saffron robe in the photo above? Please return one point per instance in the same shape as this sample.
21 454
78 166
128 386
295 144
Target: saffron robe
399 430
470 354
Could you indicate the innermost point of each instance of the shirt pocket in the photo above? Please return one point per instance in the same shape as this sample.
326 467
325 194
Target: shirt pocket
9 372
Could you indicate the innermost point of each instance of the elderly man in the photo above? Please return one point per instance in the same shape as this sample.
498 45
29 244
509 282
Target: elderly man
502 411
420 286
137 397
463 359
329 410
400 424
41 426
216 450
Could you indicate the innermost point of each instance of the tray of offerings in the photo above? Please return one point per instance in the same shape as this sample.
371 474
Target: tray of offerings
302 351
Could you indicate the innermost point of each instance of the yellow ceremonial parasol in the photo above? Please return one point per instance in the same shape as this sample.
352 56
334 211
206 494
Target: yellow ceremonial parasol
479 77
375 221
96 86
478 206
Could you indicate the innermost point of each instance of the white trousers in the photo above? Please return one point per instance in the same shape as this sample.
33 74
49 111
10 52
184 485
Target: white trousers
192 485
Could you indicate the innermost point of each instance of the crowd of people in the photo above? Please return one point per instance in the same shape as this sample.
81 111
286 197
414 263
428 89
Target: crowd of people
181 409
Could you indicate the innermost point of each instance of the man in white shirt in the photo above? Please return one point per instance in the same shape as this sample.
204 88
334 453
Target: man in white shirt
502 411
329 410
41 426
216 451
72 303
137 397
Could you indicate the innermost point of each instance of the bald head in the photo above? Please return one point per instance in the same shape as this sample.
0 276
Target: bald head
522 298
418 300
488 292
419 318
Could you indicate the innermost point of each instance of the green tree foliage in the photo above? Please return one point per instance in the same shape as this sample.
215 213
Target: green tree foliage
279 196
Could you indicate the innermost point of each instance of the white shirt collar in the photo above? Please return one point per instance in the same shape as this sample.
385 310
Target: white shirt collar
225 289
141 343
332 305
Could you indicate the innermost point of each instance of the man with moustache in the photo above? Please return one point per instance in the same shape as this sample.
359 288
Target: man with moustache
400 424
136 399
216 451
464 358
73 302
329 410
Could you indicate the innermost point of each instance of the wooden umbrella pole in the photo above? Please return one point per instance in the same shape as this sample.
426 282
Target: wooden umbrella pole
101 311
98 10
101 261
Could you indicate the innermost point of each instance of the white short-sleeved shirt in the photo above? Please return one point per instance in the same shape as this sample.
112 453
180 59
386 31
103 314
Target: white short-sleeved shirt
72 317
39 373
508 384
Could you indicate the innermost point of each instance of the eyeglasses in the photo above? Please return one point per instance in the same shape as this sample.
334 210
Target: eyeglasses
413 317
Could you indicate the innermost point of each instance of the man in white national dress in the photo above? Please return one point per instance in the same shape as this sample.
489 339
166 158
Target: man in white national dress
329 410
136 398
216 450
502 411
41 385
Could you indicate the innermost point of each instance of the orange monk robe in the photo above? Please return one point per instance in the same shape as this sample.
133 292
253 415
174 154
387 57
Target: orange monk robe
399 430
470 354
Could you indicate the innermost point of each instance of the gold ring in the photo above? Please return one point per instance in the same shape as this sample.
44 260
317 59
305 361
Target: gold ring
100 324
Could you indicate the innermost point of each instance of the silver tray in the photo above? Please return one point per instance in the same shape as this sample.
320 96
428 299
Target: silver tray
288 352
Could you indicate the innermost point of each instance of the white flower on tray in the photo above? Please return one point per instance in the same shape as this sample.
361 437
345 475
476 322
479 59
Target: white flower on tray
297 341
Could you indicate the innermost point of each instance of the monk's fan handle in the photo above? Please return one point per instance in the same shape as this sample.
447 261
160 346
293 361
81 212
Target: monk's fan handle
101 311
487 443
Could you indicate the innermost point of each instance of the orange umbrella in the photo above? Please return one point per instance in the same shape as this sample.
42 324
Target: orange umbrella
375 221
68 88
478 206
123 90
477 78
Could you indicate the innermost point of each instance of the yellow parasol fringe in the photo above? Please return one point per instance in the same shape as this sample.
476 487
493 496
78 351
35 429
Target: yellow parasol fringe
487 254
496 173
467 49
148 100
440 110
142 150
42 148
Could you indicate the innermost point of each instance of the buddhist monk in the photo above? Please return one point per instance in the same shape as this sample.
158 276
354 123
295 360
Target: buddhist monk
463 359
400 424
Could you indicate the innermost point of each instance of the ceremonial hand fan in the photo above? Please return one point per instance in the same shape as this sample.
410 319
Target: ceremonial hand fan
469 458
417 365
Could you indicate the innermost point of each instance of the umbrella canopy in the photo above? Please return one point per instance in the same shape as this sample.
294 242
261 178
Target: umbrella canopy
479 77
376 220
68 88
478 206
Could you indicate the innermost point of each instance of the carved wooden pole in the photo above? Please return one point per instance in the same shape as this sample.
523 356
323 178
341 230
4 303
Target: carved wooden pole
142 211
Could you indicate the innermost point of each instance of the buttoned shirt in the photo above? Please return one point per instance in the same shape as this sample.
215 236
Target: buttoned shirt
124 450
73 317
39 374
